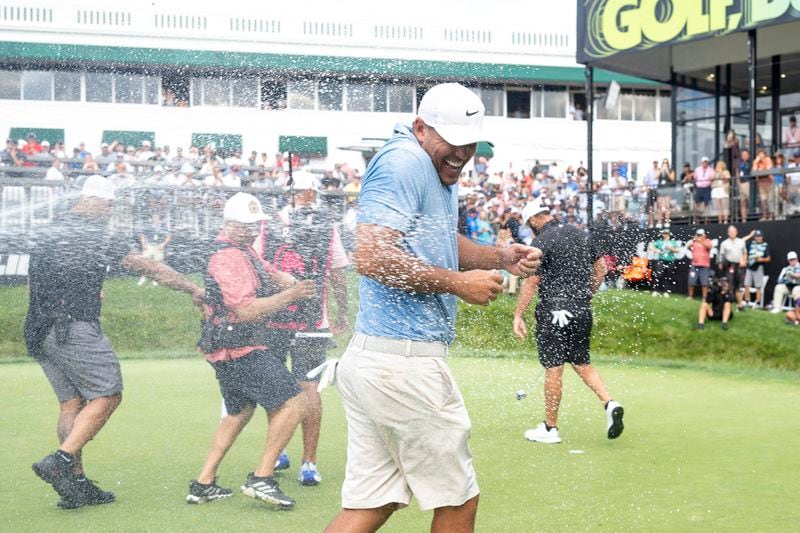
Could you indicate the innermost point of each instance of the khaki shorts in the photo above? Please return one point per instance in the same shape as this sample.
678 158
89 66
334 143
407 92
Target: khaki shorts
407 431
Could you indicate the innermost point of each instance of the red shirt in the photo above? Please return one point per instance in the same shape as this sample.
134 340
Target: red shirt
701 253
237 279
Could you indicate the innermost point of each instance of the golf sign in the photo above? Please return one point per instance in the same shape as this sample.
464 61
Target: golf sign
608 27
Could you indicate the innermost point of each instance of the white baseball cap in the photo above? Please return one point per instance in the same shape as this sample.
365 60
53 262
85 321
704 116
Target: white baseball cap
791 255
98 187
455 112
304 181
532 209
243 207
704 159
700 231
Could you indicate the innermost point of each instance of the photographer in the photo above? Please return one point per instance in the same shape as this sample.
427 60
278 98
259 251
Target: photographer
717 305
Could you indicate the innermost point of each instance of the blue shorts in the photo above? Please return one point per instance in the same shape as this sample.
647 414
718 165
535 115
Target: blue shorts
702 195
698 276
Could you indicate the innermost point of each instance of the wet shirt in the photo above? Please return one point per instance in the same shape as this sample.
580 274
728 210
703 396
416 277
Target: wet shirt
732 250
401 190
238 282
568 257
701 255
663 247
757 251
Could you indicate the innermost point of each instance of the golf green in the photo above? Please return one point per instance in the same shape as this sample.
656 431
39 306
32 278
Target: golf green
702 450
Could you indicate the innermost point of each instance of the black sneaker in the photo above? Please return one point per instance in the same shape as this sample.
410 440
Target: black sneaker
57 470
85 492
724 326
266 489
206 492
700 326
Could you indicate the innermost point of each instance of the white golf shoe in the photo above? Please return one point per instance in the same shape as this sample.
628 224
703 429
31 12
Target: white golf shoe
614 425
541 434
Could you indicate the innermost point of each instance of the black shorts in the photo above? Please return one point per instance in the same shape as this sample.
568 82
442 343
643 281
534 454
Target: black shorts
258 378
568 344
306 353
735 275
652 197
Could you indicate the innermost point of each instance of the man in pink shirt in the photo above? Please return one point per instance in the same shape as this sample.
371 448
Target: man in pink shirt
703 176
244 292
700 270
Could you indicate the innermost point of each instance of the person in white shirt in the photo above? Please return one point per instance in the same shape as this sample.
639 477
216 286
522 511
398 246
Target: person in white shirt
54 172
791 139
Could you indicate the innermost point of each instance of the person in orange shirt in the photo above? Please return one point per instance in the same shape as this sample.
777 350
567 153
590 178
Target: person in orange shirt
700 269
763 162
243 292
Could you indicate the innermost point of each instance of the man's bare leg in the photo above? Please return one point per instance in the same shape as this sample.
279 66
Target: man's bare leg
312 421
66 420
89 421
229 428
591 377
282 423
460 519
552 394
360 520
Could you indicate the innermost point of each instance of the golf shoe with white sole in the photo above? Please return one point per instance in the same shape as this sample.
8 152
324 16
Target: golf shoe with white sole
541 434
614 425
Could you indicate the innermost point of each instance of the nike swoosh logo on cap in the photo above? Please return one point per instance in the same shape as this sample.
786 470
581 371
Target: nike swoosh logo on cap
473 113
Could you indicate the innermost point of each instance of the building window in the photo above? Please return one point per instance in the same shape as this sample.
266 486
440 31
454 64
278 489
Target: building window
37 85
273 94
128 89
518 102
9 85
98 87
359 97
245 92
626 106
665 106
330 94
152 90
379 98
492 98
302 94
556 102
536 101
67 86
401 98
645 102
217 92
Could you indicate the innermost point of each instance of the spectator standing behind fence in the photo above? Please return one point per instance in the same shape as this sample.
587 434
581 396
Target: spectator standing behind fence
666 181
744 185
757 256
651 187
703 176
700 269
720 188
791 138
793 186
732 152
778 193
788 283
763 162
664 250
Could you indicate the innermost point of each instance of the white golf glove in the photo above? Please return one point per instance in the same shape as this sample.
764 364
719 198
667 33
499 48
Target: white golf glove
561 318
328 371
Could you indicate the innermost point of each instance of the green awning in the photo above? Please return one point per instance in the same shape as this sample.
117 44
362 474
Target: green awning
51 135
226 142
129 138
303 145
484 150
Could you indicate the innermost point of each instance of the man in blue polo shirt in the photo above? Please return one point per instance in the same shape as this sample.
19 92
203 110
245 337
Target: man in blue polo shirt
407 424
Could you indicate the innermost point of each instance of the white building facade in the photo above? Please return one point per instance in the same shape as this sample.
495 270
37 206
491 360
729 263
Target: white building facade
330 74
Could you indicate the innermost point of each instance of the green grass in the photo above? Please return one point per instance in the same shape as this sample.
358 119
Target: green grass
701 451
156 322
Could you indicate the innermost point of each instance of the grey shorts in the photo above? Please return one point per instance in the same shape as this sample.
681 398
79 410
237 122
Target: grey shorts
83 367
699 276
754 278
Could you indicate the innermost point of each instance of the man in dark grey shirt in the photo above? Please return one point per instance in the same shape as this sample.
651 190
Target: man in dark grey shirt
571 271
